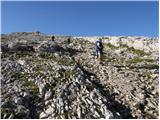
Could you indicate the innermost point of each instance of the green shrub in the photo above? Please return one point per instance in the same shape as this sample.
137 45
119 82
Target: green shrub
137 60
133 50
138 52
110 45
67 73
20 115
134 60
147 74
153 66
31 87
89 87
123 46
61 60
65 61
106 58
150 60
6 111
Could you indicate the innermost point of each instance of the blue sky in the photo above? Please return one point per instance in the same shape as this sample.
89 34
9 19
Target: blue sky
82 18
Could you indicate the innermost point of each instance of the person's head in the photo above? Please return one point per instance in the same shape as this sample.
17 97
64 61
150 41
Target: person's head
53 37
100 39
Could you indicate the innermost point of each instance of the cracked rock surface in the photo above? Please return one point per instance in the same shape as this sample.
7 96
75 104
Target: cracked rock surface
58 79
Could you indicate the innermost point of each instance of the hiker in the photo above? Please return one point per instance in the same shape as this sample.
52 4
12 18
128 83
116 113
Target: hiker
69 40
52 38
99 50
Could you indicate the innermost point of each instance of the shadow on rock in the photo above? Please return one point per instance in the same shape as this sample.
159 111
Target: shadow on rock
65 51
113 105
149 66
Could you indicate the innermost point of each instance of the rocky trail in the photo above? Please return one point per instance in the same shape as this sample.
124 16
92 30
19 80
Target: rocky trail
41 78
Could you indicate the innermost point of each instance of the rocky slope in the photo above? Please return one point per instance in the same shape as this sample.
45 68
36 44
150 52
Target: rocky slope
41 78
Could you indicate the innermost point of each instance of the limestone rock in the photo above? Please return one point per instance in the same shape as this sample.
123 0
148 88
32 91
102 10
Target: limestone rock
58 79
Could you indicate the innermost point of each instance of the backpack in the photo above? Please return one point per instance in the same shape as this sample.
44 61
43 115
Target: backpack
100 47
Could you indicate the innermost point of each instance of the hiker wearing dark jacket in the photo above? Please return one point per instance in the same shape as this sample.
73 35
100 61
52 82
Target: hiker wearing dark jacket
99 50
53 38
69 40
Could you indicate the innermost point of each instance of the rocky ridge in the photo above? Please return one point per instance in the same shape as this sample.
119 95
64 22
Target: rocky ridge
41 78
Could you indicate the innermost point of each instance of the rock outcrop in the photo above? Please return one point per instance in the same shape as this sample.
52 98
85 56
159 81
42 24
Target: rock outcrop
41 78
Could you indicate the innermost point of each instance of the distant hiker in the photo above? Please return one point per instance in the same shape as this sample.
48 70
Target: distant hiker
99 50
37 32
53 38
69 40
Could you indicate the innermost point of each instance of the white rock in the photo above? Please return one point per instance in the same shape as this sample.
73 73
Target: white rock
79 112
21 62
48 95
19 101
43 115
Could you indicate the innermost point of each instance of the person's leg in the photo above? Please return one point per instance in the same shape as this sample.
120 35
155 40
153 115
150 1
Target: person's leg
101 55
96 54
98 57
